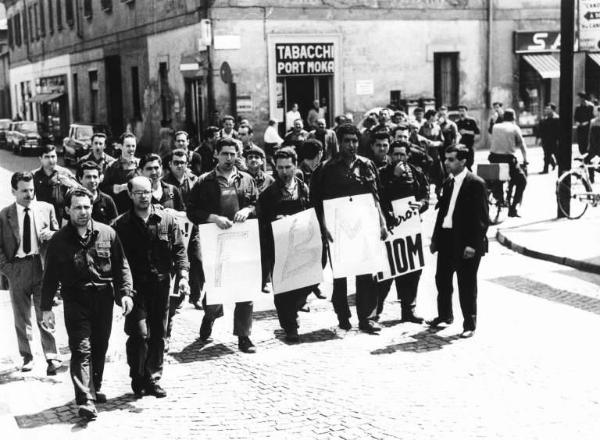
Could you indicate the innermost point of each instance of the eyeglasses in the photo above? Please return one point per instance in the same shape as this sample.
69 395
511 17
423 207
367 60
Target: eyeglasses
142 193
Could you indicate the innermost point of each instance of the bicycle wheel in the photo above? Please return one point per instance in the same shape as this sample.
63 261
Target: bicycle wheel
580 190
496 210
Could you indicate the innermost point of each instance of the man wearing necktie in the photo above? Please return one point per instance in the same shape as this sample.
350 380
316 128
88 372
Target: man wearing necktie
459 238
25 228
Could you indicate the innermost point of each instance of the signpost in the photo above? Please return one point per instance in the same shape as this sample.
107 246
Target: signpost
589 25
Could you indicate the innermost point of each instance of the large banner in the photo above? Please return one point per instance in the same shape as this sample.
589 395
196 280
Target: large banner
231 261
298 251
404 247
354 225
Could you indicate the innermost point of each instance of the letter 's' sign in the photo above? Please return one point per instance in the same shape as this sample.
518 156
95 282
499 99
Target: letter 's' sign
294 59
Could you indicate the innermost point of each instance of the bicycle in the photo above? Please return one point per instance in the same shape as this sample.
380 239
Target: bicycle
498 208
578 184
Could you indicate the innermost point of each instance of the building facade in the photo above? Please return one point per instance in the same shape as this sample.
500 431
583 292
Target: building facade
186 63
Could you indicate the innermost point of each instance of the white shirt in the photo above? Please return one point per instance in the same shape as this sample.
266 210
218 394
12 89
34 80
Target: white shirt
458 180
271 136
290 117
35 249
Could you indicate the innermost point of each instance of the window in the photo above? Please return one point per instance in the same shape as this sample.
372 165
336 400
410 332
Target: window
25 27
50 18
446 81
36 21
31 24
70 13
9 29
106 5
87 9
75 98
164 87
93 75
135 92
59 24
17 27
42 19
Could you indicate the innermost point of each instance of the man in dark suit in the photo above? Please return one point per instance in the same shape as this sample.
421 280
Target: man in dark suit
26 226
459 237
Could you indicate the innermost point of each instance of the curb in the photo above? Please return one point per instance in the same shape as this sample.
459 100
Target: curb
565 261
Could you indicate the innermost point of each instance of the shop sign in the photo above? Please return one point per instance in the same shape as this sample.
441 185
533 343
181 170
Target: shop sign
589 25
52 84
294 59
244 104
541 41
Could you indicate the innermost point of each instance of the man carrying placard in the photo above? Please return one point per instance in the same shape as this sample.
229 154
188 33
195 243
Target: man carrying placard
399 180
286 196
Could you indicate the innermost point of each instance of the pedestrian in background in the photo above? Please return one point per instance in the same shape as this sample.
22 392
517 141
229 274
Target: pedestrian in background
87 259
468 130
104 209
120 171
154 248
327 138
584 113
291 116
97 154
549 134
459 238
26 226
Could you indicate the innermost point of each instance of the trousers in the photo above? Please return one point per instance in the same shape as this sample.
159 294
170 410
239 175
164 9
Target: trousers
242 316
146 327
366 298
287 305
88 319
406 289
25 287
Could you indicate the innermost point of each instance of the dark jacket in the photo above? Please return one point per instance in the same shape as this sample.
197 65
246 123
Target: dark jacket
153 249
184 187
205 198
470 219
77 264
171 197
413 183
117 173
49 188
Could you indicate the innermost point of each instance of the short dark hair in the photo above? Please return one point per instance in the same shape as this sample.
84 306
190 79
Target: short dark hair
462 106
149 158
430 113
399 127
398 144
248 126
211 131
347 129
286 153
462 152
225 142
380 135
20 176
498 103
98 134
177 133
126 135
418 110
310 148
227 118
509 115
340 119
87 165
551 105
179 152
46 149
77 191
442 107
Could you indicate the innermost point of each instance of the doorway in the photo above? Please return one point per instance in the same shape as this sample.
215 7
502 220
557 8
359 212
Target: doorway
303 90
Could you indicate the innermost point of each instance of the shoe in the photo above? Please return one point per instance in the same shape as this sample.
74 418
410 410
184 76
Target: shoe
545 170
154 389
27 365
88 411
440 323
412 318
304 309
245 345
100 397
344 323
467 334
369 327
53 366
292 337
319 294
206 330
197 305
376 318
266 289
512 212
137 387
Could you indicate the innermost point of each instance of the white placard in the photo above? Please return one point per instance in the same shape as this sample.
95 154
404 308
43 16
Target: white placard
298 252
403 249
354 225
227 42
231 262
365 87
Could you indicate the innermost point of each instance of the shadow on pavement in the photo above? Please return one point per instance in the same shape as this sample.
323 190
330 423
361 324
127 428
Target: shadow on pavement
321 335
67 413
424 341
15 375
545 291
200 351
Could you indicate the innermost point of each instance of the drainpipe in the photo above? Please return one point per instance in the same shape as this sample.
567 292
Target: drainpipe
490 29
210 88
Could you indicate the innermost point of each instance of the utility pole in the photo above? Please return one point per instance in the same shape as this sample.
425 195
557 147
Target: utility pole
567 36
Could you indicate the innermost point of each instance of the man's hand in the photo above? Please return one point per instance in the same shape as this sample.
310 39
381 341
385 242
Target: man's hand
183 287
468 253
383 232
126 305
242 215
223 222
46 234
433 247
48 320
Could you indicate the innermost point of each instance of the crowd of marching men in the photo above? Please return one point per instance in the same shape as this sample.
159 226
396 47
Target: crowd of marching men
142 263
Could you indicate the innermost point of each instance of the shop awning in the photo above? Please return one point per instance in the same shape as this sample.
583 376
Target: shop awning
595 57
45 97
546 65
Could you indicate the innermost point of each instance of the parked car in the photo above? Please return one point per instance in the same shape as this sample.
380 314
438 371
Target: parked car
4 126
28 136
79 141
